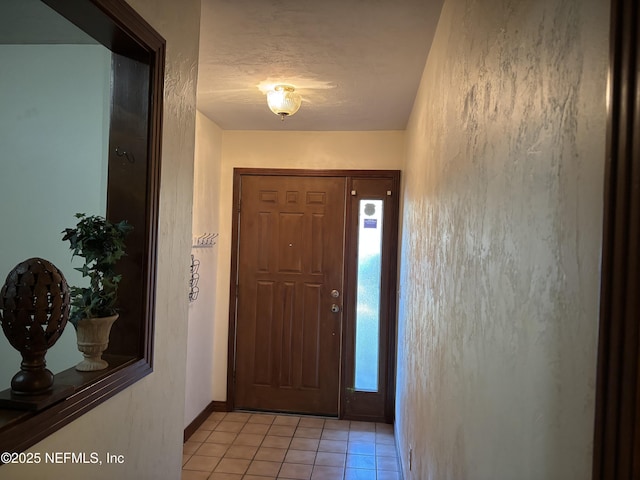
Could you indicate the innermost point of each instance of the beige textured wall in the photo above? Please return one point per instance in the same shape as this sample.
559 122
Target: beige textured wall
206 186
501 243
145 421
382 150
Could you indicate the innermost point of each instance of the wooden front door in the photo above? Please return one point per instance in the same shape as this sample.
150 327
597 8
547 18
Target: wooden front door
288 324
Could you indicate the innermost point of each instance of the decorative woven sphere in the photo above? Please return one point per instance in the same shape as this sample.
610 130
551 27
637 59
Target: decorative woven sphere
34 306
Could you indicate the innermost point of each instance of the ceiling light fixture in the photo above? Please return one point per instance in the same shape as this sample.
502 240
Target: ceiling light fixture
283 100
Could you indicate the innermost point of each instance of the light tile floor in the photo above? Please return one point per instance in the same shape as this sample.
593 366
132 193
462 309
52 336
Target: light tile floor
247 446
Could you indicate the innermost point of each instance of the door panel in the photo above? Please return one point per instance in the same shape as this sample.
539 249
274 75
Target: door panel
291 235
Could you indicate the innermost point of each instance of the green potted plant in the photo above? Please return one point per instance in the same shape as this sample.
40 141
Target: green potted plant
93 308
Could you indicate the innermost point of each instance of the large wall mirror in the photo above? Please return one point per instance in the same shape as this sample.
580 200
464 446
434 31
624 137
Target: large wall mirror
55 95
80 130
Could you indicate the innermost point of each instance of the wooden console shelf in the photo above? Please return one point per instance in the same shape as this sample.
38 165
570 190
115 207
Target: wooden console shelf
20 429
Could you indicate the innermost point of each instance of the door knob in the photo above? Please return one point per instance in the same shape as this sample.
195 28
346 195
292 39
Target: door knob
335 293
335 308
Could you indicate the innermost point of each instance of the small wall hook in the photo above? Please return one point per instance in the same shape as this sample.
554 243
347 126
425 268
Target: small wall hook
205 240
125 154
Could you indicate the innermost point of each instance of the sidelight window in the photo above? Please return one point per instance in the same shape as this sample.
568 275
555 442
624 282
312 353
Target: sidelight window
369 271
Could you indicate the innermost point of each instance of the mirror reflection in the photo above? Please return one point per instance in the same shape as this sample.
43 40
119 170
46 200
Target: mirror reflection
55 97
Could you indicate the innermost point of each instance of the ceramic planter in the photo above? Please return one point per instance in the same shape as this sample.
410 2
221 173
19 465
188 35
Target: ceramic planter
93 339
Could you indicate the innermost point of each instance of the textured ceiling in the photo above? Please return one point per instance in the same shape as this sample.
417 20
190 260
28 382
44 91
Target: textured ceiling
356 63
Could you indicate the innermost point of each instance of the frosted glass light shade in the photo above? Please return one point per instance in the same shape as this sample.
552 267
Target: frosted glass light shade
283 100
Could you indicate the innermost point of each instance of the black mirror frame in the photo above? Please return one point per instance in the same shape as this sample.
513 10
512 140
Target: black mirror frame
119 28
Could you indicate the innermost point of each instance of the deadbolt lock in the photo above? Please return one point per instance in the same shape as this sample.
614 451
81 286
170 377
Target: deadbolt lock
335 293
335 308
